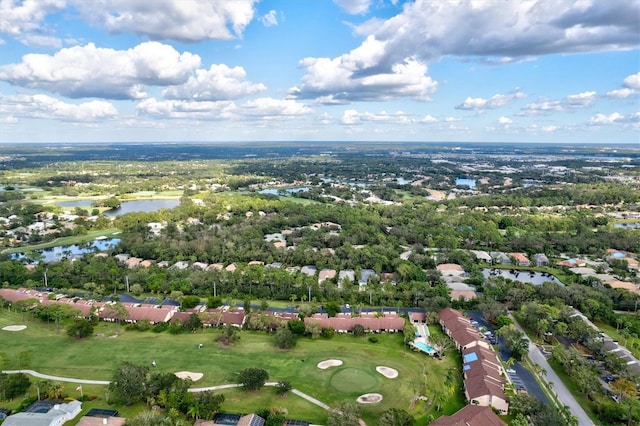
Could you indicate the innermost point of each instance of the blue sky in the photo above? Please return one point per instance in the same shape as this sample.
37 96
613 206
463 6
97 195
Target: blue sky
319 70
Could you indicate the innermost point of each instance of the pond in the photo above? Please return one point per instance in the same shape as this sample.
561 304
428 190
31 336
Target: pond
54 254
471 183
77 203
142 206
276 191
627 225
535 278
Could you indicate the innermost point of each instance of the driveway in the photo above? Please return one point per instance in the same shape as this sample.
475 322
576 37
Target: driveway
522 377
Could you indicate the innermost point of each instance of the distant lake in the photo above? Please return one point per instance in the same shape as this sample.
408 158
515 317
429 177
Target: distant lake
276 191
57 253
471 183
403 181
535 278
78 203
627 225
142 206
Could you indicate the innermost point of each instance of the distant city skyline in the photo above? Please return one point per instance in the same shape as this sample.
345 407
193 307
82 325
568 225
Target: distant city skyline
319 70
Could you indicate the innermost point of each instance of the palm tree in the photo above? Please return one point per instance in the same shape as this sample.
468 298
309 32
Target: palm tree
54 390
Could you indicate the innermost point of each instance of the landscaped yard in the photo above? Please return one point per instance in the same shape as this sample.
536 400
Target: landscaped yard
98 356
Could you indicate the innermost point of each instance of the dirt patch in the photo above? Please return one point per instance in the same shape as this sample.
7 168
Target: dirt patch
323 365
388 372
369 398
189 375
14 328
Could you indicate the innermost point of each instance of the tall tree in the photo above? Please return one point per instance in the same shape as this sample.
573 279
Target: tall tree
253 378
395 417
347 414
129 384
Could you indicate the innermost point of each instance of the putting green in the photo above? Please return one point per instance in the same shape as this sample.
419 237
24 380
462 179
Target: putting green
353 380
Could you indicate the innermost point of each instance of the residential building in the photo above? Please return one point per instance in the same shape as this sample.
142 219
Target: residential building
470 415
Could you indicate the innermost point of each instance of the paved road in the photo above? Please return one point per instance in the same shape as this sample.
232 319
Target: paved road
220 387
561 391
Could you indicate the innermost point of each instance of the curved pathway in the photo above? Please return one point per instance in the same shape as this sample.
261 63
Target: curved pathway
208 388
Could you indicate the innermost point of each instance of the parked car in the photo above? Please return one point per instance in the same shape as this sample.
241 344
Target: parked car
511 371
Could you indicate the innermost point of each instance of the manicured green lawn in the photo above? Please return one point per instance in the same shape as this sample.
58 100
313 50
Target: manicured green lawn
98 357
632 343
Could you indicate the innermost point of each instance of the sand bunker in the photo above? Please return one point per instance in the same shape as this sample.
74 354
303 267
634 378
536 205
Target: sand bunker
189 375
14 327
369 398
323 365
388 372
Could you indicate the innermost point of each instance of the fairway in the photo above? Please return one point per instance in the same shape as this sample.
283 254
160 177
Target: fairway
353 380
97 357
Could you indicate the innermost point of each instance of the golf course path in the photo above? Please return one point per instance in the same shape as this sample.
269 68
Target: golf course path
59 379
209 388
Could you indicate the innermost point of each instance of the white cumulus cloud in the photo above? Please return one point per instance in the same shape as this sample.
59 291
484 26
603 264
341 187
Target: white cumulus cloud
22 16
615 118
632 82
505 120
354 77
568 103
269 19
496 101
217 83
352 116
183 20
354 7
431 29
90 71
265 109
46 107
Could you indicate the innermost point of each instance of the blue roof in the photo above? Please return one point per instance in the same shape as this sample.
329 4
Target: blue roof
470 357
466 367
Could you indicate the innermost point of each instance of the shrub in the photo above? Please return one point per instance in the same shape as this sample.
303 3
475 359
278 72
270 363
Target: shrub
160 327
328 332
176 328
373 339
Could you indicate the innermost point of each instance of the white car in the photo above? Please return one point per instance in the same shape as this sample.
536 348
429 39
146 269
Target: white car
511 371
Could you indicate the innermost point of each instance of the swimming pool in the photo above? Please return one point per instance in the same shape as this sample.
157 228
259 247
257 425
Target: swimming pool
424 347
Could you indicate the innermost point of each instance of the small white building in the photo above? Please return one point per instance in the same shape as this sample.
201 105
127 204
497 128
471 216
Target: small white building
56 416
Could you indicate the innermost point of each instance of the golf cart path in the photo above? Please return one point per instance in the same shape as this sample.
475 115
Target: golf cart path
208 388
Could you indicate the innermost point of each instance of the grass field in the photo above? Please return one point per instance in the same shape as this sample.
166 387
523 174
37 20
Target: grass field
98 356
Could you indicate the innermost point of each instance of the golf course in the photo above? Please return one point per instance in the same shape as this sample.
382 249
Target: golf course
52 352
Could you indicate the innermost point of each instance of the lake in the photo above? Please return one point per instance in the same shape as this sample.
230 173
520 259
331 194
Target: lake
54 254
627 225
142 206
276 191
77 203
535 278
471 183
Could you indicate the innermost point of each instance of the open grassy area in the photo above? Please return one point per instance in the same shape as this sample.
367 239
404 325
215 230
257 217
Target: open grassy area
65 241
98 356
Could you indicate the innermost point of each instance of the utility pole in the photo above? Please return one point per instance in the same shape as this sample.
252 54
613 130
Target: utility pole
214 289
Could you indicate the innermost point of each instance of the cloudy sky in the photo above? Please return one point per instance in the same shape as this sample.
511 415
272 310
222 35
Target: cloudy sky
316 70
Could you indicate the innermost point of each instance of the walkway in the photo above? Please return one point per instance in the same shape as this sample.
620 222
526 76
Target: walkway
208 388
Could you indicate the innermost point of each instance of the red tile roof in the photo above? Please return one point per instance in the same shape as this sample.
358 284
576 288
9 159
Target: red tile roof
471 415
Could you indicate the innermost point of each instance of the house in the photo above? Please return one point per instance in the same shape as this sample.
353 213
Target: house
571 263
56 416
200 265
481 369
215 267
344 323
450 269
235 317
163 264
308 270
122 257
326 274
418 317
540 259
132 262
101 421
500 258
231 267
471 415
346 275
366 275
520 259
482 255
183 264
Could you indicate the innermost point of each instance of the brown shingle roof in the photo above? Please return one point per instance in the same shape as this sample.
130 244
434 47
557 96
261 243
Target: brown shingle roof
471 415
